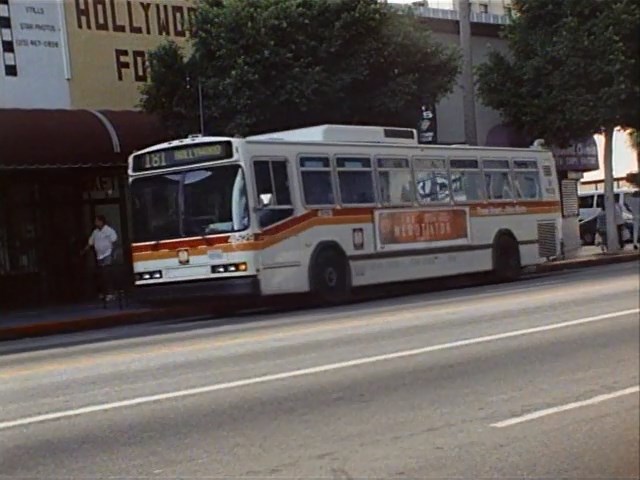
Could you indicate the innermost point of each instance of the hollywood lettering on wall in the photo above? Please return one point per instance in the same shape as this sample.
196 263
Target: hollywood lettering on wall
134 18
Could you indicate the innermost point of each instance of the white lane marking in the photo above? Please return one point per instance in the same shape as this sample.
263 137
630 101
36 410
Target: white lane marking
305 371
568 406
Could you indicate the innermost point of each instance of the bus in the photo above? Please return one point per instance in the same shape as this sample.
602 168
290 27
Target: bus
328 208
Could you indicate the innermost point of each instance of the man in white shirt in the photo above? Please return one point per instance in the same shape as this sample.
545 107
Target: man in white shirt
102 240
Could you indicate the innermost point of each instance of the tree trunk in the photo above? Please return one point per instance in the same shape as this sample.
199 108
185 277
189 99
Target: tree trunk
609 200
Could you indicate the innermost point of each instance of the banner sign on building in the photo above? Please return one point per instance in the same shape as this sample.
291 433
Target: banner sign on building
427 126
403 227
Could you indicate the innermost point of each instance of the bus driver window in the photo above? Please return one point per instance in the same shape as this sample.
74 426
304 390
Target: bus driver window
272 184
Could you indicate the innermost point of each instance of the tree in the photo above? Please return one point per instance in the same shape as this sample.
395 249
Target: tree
267 65
170 92
572 70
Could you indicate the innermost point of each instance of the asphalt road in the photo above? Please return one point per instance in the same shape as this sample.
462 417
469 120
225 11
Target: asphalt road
537 378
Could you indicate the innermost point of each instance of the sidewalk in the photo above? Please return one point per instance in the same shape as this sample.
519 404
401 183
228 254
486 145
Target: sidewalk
82 317
590 257
94 316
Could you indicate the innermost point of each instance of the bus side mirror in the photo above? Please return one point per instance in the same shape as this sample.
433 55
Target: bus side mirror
266 200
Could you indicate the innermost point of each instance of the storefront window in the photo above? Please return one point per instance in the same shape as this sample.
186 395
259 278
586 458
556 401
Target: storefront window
21 228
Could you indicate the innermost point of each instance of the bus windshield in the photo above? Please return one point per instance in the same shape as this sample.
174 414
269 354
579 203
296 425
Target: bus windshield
189 204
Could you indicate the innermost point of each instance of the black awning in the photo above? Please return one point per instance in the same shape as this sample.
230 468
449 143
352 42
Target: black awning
73 138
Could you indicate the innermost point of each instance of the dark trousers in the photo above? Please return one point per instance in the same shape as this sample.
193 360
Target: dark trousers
105 282
620 235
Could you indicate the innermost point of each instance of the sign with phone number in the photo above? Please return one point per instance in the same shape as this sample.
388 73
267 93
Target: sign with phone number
181 156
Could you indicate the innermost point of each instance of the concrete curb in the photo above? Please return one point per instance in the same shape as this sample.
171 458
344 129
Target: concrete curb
576 263
122 318
93 322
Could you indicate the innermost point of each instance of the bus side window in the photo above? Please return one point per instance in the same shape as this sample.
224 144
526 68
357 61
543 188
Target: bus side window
317 184
272 184
497 179
394 181
527 179
432 180
355 178
466 180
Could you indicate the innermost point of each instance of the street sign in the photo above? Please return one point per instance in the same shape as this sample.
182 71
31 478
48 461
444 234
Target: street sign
579 156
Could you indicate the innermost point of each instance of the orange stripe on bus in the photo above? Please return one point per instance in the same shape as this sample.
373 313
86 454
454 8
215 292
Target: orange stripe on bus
296 225
265 240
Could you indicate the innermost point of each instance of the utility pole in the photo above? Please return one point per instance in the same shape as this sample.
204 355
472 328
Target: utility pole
609 198
201 106
468 97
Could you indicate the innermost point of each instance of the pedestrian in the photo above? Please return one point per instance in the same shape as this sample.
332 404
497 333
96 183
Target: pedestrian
634 206
601 229
620 224
102 240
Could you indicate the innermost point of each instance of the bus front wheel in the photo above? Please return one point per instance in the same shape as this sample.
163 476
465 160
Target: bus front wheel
506 255
330 280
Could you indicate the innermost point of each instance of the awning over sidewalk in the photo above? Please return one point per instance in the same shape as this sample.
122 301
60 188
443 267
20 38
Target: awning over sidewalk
73 138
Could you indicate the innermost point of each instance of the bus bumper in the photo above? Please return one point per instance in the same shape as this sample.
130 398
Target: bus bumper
238 286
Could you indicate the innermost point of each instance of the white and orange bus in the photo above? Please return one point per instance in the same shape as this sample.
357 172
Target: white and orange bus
324 209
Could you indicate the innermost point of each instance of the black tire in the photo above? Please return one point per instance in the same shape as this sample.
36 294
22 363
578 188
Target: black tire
330 279
506 254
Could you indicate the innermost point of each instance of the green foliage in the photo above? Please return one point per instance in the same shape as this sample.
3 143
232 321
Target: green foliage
573 68
273 64
170 92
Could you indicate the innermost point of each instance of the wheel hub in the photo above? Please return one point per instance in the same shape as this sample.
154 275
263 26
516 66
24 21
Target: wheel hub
331 277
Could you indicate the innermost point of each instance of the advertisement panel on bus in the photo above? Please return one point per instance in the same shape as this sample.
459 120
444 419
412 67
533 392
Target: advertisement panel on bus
419 228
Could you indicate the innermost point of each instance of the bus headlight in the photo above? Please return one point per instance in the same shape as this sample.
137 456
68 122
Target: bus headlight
230 268
153 275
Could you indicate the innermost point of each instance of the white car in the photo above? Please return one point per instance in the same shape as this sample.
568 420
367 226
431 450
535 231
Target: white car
591 203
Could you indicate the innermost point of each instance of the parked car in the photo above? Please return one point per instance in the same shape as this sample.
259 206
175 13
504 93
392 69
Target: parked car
591 203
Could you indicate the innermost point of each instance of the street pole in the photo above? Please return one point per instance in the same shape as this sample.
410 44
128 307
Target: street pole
468 97
201 107
609 198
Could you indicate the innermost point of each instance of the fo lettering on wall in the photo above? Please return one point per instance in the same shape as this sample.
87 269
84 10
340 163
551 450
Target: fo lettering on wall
108 45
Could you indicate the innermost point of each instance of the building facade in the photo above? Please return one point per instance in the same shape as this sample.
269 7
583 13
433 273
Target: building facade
480 7
70 76
83 54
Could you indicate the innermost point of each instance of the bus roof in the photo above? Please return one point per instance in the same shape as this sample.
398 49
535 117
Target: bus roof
334 134
344 134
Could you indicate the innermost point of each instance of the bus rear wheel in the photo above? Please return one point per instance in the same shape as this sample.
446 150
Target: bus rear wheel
506 265
330 280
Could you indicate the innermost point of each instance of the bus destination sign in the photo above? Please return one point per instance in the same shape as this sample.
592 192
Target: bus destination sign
182 156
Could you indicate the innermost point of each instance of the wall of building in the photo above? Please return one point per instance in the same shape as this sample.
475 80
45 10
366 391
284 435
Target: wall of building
108 45
449 111
494 7
83 53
